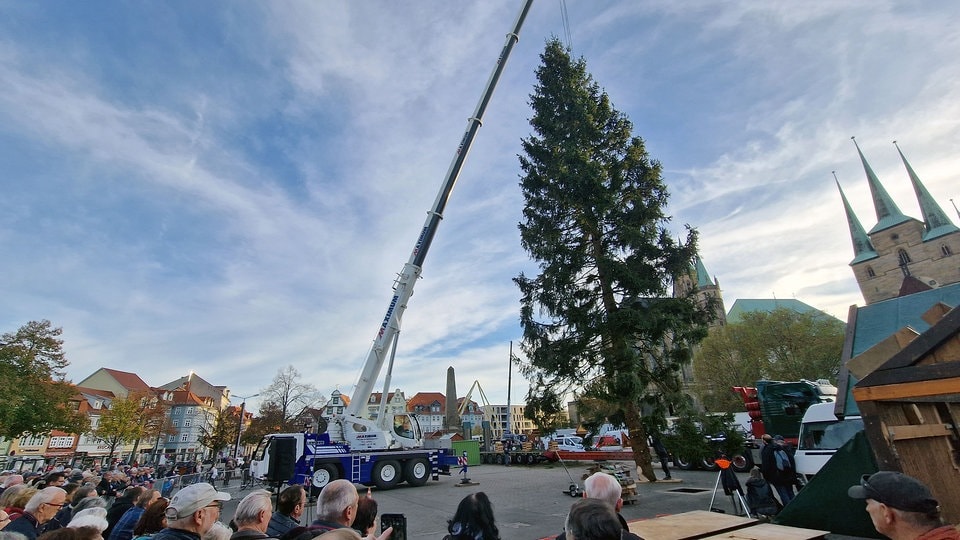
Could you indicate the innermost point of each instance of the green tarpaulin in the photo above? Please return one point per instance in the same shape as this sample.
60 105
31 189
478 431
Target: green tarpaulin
823 504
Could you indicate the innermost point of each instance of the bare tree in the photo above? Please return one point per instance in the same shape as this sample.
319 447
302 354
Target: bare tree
289 396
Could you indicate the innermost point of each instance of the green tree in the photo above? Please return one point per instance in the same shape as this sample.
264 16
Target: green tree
119 423
150 420
36 398
782 345
221 432
288 397
269 420
598 320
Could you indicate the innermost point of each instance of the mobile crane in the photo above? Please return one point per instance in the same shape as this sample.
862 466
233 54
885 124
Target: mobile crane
388 449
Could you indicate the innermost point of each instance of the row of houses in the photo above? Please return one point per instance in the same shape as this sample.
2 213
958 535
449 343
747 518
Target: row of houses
193 406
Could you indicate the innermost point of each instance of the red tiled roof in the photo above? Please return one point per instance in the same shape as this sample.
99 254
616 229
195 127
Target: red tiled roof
130 381
95 392
426 399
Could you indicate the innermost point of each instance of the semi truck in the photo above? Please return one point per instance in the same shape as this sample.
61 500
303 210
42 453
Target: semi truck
385 449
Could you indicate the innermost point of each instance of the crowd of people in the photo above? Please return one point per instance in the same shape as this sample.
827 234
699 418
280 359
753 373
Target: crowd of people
111 508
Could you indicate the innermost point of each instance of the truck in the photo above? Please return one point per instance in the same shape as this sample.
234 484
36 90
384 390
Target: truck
821 435
387 448
778 408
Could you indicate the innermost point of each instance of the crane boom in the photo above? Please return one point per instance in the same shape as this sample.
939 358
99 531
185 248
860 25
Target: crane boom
403 286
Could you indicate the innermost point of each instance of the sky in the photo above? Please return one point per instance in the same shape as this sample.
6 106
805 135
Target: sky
232 187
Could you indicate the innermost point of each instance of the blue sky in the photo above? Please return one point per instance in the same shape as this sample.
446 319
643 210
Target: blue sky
231 187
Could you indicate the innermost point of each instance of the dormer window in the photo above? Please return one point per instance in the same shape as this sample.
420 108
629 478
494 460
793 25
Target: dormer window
373 399
98 404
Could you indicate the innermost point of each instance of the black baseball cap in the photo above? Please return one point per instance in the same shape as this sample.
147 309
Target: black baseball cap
896 490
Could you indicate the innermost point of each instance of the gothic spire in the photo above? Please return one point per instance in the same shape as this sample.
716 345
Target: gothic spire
862 248
703 277
888 214
935 220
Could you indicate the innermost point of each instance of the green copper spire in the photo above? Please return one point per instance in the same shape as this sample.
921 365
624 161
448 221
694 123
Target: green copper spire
703 277
862 248
888 214
935 220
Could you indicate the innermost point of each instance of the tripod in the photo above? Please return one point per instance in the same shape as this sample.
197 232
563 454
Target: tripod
731 487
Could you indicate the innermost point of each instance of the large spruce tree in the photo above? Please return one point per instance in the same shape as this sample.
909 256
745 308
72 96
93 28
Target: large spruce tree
599 320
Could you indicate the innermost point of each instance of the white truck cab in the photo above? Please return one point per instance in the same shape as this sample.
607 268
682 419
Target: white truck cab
821 434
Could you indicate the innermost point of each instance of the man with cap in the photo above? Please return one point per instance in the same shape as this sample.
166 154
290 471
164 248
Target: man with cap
192 511
902 508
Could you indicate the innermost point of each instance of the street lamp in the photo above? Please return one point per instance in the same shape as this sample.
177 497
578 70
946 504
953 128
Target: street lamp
243 405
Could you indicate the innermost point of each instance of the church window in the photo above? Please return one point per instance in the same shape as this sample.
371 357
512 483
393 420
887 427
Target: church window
903 256
945 250
870 272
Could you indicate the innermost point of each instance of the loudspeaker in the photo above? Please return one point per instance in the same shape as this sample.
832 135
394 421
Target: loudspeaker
283 458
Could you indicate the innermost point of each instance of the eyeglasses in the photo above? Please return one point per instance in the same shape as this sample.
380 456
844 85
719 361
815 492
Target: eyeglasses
218 505
61 505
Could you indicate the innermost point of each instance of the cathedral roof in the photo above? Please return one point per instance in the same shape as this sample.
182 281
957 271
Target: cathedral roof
935 220
888 213
703 277
863 249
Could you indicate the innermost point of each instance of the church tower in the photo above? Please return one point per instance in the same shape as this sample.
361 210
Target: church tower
901 255
697 281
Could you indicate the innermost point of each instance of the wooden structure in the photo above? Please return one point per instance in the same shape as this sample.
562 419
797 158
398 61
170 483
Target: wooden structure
910 403
703 524
628 488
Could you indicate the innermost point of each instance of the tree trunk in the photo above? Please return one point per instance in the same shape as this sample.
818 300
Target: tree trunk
638 442
133 453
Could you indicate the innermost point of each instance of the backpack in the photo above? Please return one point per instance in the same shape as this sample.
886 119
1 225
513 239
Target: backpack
783 460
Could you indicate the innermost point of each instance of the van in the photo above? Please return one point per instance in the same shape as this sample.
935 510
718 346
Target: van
821 434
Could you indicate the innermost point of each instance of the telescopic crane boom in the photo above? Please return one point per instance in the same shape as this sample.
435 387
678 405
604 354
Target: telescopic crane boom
359 430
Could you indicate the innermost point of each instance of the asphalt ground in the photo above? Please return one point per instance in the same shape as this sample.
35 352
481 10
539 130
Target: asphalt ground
529 501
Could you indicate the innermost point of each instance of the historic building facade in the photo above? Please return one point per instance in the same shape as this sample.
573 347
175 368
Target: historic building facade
902 255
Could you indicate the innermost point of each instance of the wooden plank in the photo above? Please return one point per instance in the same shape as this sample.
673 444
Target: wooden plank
908 390
688 525
900 433
769 531
930 372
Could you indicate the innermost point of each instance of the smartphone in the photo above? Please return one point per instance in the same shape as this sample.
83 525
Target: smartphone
399 524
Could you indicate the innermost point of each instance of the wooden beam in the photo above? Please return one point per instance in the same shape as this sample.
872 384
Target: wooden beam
907 390
899 433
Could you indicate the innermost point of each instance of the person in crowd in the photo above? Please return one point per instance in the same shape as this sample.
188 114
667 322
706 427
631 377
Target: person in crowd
336 507
91 517
55 479
605 487
192 511
4 519
77 533
66 513
290 506
11 480
902 508
366 521
39 509
121 504
592 519
152 521
778 467
123 529
253 516
473 520
341 534
15 498
217 531
760 496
